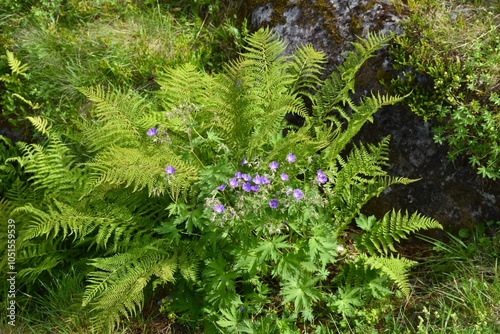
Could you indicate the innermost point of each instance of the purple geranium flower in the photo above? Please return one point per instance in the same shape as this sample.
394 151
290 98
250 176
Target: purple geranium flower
273 166
233 182
273 203
151 132
290 157
244 161
284 177
298 194
246 177
264 180
219 208
237 175
247 187
322 178
221 187
170 170
257 179
254 188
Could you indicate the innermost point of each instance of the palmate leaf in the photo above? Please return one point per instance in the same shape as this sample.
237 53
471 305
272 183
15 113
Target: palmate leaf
364 222
322 246
302 291
220 282
346 300
271 249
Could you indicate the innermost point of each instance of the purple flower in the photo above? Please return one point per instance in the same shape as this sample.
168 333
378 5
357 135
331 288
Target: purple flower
264 180
237 175
219 208
170 170
290 157
247 187
246 177
257 179
221 187
254 188
322 178
233 182
298 194
273 203
244 161
151 132
284 177
273 166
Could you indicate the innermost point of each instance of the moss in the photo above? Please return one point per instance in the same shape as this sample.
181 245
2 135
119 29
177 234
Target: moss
321 8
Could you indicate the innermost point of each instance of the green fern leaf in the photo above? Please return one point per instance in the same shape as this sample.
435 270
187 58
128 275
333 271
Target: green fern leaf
396 268
394 226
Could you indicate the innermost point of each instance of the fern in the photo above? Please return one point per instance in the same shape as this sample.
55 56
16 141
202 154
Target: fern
142 168
120 283
16 68
394 226
394 267
360 178
117 115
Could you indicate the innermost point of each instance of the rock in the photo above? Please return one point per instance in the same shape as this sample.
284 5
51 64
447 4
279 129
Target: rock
450 192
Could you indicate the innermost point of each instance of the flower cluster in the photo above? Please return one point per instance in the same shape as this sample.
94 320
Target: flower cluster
263 184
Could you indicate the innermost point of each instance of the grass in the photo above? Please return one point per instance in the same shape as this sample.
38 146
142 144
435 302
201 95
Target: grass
457 289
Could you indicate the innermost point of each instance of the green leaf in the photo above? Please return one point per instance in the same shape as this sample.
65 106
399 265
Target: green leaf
303 293
346 300
364 222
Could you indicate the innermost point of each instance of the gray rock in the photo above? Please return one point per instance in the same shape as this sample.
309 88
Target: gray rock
451 192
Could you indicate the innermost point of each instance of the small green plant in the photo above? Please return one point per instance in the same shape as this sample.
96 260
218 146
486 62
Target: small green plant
454 77
14 99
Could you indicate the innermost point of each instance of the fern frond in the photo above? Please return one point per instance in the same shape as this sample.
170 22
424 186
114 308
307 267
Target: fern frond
394 267
306 69
143 168
16 67
263 49
41 124
117 118
116 289
394 226
108 227
39 257
183 85
53 168
365 49
361 114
